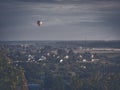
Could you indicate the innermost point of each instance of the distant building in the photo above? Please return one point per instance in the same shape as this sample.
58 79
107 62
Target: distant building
61 60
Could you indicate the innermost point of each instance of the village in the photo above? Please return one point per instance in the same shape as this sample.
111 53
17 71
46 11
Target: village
48 64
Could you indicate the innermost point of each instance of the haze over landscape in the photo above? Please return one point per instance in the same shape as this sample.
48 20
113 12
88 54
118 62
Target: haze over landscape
62 19
59 45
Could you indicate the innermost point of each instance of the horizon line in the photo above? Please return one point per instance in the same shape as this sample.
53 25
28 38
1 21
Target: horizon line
52 40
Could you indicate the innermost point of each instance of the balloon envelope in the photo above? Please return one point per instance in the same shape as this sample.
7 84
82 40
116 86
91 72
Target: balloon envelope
39 23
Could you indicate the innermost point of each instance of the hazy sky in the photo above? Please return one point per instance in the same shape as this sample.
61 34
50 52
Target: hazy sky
62 19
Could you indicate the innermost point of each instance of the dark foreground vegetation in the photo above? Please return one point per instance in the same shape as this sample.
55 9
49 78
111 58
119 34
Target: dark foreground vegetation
11 77
57 66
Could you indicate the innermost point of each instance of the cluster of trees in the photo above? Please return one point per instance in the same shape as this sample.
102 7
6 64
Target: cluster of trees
11 77
73 76
49 74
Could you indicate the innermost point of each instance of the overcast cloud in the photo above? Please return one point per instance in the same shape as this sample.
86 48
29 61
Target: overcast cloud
62 20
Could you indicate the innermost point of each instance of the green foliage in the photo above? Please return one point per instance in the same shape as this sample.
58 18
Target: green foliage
10 76
71 76
50 74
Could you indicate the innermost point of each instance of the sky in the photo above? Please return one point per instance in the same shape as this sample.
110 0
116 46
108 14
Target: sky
62 20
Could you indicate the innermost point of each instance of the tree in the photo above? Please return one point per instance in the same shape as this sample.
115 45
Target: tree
11 77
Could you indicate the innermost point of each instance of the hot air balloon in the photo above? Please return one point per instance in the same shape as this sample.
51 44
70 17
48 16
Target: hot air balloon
39 23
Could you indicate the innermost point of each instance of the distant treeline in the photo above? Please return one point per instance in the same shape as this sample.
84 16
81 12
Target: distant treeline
83 43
